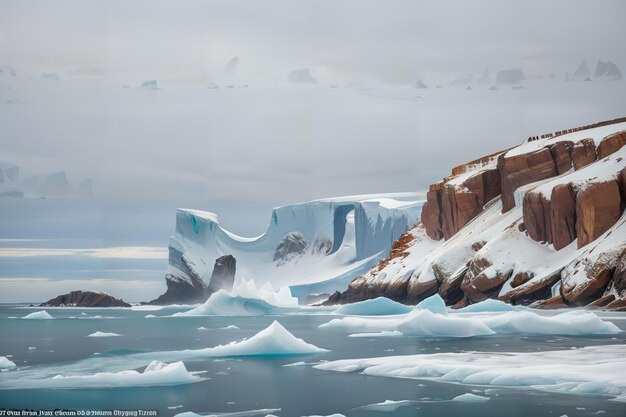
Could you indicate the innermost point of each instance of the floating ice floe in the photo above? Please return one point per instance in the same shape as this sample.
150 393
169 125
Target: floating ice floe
103 334
571 323
329 415
587 370
424 323
274 340
38 315
6 363
245 300
380 306
387 405
488 305
433 303
230 327
155 374
470 398
384 333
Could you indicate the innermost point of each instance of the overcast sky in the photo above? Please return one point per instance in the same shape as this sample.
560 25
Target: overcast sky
275 146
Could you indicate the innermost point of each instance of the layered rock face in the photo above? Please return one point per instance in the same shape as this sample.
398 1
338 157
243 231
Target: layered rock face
290 247
542 223
223 276
192 288
85 299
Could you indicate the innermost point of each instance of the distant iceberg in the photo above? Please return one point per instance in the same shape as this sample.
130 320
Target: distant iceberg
510 77
607 70
301 76
150 85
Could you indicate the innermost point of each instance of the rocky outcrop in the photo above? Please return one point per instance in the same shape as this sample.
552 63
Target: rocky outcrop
562 156
431 212
562 216
190 288
583 153
500 248
292 246
536 214
530 291
223 276
482 280
611 144
182 291
523 169
578 294
85 299
451 204
598 206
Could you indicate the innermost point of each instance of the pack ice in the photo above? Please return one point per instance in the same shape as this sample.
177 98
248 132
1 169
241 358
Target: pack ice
587 370
429 319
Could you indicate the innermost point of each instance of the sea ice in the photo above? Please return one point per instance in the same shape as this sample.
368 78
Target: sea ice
384 333
433 303
587 370
103 334
38 315
155 374
424 323
6 363
574 323
387 405
470 398
274 340
488 305
380 306
230 327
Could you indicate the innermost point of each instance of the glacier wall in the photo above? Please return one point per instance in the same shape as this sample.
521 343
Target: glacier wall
324 243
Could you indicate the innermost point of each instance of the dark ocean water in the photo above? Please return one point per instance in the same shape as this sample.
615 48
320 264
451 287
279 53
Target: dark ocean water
234 385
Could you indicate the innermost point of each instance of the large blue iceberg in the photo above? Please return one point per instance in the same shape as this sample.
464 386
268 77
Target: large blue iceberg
313 247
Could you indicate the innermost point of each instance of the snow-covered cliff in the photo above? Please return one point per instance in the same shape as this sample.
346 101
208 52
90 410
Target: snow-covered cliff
540 223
